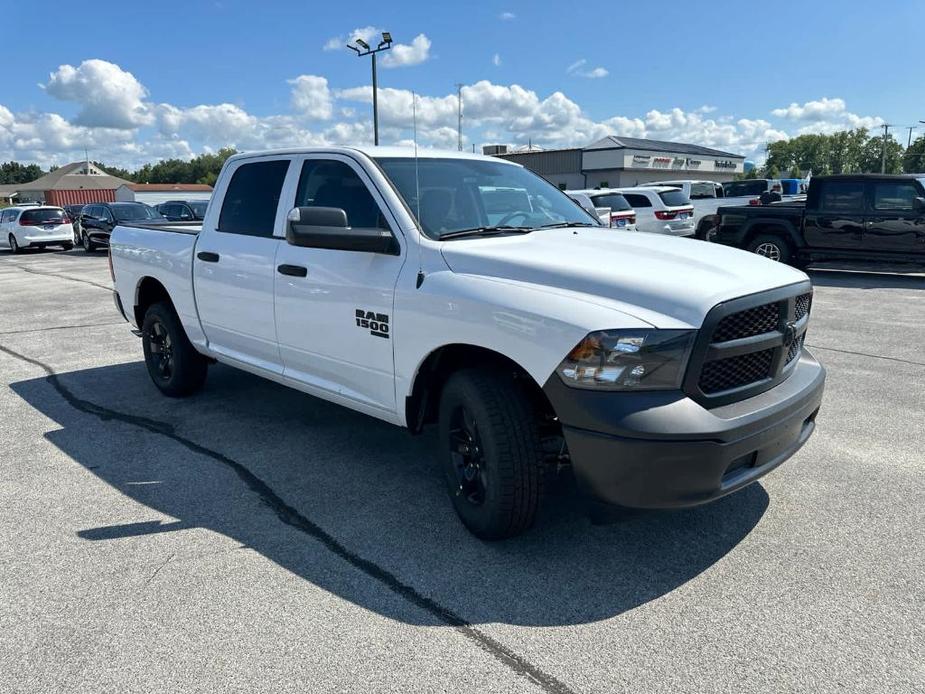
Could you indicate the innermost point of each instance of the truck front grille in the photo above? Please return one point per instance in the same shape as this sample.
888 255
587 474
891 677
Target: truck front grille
748 345
734 372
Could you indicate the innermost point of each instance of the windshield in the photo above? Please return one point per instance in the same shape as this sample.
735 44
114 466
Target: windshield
460 194
46 216
736 189
199 207
674 198
615 201
130 213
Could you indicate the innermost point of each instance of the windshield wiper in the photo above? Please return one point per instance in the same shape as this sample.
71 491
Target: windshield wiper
562 225
483 231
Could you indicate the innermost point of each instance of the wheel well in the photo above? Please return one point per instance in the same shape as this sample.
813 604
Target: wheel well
421 406
150 292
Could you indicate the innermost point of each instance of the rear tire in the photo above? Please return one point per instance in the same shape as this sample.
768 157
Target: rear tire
174 365
492 453
771 246
14 246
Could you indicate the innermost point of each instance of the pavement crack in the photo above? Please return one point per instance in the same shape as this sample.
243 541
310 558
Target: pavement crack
60 327
293 518
158 570
64 277
865 354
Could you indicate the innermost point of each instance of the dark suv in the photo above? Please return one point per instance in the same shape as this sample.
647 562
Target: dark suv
98 219
184 210
862 217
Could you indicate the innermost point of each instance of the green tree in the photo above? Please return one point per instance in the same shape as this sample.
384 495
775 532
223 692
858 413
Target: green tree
914 157
14 172
872 153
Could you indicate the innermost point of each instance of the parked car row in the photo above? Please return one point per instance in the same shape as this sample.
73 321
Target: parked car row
38 226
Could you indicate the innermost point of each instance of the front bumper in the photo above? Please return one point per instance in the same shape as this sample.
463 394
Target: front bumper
660 449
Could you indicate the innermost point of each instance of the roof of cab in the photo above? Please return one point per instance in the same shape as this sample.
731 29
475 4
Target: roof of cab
375 153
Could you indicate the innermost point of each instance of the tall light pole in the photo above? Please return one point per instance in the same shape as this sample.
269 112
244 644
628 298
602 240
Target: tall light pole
363 49
886 132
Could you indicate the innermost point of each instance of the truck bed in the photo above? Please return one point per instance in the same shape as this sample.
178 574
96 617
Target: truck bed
175 227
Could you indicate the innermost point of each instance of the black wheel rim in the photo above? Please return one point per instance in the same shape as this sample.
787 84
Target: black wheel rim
468 457
86 243
161 348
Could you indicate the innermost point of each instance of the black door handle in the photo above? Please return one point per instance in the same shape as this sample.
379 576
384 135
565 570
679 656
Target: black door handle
293 270
207 257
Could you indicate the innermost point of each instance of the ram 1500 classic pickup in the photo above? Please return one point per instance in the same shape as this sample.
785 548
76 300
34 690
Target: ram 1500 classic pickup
663 372
861 217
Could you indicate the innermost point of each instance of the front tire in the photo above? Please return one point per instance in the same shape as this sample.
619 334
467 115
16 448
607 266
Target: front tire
492 453
174 365
67 245
14 246
88 245
772 247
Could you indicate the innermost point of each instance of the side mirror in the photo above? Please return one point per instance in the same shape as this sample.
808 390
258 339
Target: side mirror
919 204
326 227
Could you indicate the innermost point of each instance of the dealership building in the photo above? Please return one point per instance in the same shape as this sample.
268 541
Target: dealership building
615 162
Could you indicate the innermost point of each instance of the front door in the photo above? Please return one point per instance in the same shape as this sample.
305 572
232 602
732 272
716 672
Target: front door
334 316
834 217
895 224
234 265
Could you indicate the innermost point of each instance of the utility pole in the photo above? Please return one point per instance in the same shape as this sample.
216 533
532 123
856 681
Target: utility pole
911 128
459 115
384 45
886 131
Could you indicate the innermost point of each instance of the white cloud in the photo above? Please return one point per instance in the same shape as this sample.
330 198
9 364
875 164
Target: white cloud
578 68
369 34
311 97
821 109
404 55
496 60
118 123
109 96
507 16
400 55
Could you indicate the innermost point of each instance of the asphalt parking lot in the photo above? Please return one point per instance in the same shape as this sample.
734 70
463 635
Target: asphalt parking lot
252 538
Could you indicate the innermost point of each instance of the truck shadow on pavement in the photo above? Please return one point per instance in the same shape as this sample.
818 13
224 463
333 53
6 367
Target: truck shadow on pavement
863 279
357 506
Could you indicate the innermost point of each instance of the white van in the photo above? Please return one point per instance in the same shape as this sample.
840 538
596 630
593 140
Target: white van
36 227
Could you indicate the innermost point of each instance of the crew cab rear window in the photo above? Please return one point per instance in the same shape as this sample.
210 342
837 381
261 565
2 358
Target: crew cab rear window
615 201
895 196
637 200
701 191
55 216
674 198
250 203
842 197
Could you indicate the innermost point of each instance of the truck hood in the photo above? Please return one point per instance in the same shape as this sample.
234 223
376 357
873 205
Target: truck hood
667 282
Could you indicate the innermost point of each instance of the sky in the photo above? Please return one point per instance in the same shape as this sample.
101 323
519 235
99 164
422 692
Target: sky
137 82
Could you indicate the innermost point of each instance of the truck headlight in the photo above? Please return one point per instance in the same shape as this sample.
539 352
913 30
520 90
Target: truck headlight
628 360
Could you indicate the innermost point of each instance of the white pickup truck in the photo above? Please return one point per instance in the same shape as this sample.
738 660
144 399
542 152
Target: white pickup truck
662 372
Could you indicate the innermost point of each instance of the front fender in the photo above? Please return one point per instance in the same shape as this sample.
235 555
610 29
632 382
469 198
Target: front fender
533 327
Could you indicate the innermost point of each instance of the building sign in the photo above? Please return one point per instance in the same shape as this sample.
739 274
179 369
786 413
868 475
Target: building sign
724 164
641 159
693 163
679 162
661 162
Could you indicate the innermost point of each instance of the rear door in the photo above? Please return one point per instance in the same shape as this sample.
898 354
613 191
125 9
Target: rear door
234 265
894 223
334 308
835 215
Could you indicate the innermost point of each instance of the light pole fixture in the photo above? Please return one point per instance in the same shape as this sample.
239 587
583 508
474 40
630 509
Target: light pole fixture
363 49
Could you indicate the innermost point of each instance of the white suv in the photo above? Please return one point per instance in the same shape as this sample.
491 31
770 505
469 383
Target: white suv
22 227
619 213
661 210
